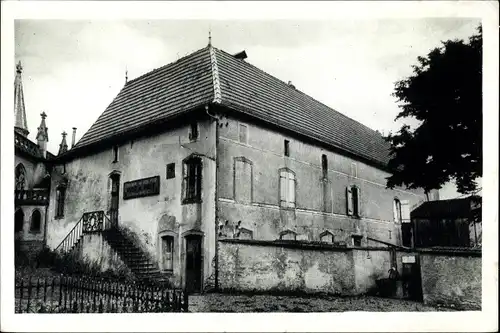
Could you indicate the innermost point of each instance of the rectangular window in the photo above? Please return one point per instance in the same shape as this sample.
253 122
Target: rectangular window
115 154
243 133
168 252
193 131
60 194
287 148
324 166
354 170
287 189
352 199
192 180
170 170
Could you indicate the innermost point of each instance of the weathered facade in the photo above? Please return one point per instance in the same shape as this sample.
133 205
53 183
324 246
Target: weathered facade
211 147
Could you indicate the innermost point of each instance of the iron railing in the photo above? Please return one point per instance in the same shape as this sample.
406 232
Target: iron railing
90 222
66 294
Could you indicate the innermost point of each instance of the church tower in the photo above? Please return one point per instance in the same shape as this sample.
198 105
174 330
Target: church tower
21 125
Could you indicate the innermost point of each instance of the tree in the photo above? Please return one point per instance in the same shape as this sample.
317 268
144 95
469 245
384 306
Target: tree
444 94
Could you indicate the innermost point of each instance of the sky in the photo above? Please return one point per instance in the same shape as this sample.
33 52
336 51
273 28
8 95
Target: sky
74 69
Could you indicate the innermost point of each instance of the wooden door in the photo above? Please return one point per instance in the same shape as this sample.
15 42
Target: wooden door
193 264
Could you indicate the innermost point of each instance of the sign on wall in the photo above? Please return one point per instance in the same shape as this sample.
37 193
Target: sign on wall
141 188
408 259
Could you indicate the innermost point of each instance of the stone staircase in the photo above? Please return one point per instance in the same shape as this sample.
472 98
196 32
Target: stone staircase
134 257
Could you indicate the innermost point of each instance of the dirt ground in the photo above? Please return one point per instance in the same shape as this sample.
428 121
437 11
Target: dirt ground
215 302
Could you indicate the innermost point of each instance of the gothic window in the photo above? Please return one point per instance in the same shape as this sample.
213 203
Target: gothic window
36 221
60 196
20 177
287 188
353 202
19 220
167 243
242 180
192 180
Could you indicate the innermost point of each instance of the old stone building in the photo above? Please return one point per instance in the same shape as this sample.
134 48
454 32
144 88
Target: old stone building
32 176
211 147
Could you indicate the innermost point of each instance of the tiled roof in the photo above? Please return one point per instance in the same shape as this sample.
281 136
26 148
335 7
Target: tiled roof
452 208
191 81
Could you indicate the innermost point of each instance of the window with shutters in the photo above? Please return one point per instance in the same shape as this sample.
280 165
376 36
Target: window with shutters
192 180
242 180
397 210
353 202
405 211
168 252
287 188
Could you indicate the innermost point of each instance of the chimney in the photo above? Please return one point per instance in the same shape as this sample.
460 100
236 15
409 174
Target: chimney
73 138
241 55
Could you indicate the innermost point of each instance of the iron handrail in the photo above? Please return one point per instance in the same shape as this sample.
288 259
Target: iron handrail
78 225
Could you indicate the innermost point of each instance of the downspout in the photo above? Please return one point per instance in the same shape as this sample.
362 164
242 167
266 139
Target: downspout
216 273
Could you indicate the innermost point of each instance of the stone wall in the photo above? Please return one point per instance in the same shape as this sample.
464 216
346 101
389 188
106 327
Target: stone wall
452 278
320 199
264 266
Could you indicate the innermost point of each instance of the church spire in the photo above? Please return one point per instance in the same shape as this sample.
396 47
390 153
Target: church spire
21 125
42 136
63 147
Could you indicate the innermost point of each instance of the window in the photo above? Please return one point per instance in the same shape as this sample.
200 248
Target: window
324 166
170 170
397 210
352 198
115 154
243 133
20 177
60 194
168 252
19 220
287 148
36 221
288 235
287 188
354 170
193 131
242 180
326 237
405 211
192 180
356 240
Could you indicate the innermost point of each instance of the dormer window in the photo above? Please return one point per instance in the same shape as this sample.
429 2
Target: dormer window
193 131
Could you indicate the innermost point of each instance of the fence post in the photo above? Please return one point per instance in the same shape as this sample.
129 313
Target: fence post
29 295
21 295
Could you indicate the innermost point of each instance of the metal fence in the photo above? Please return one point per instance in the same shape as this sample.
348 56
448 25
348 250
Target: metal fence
95 295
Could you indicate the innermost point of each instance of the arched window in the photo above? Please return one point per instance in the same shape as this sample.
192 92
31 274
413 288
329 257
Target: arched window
19 220
397 210
20 177
36 221
287 188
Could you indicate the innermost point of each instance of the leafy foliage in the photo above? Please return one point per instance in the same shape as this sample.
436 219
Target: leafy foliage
444 94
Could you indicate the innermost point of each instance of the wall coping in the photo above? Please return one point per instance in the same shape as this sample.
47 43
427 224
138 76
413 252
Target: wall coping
460 252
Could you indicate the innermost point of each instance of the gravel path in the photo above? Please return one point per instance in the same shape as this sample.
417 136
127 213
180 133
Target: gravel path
267 303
